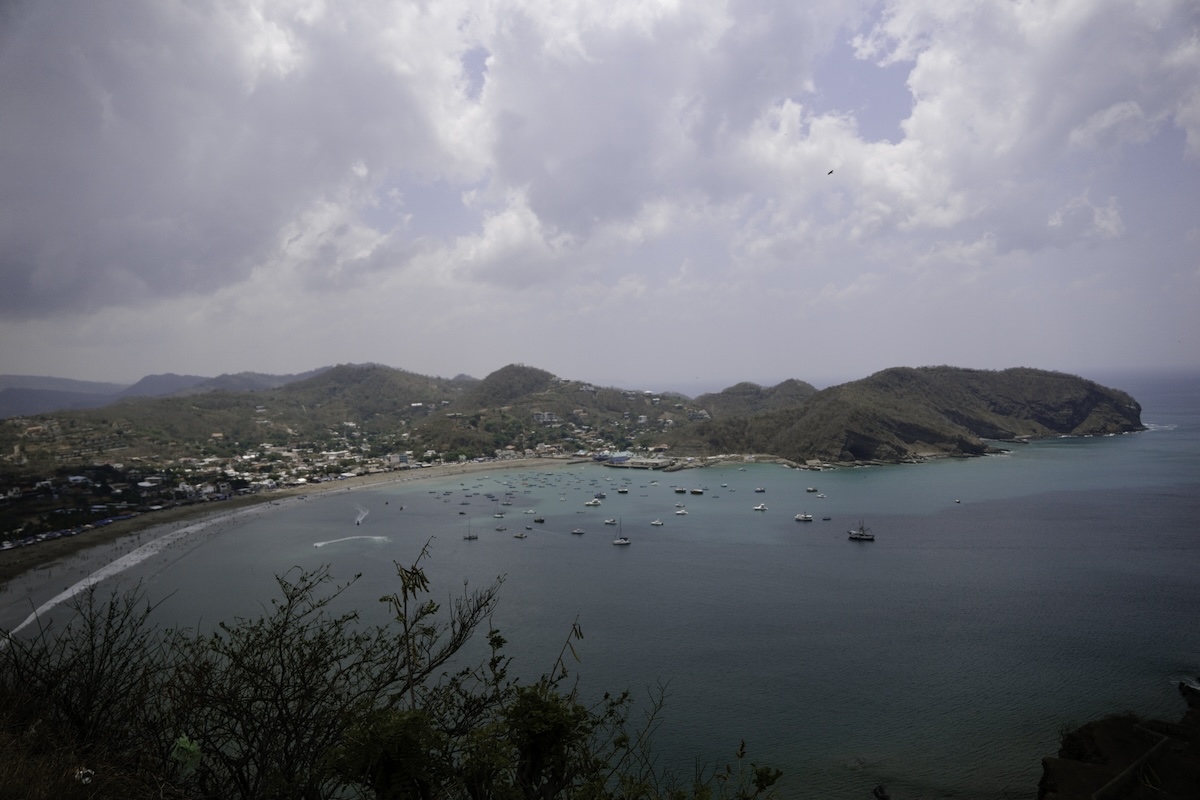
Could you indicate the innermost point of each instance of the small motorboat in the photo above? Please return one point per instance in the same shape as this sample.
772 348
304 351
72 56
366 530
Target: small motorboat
657 522
761 507
804 518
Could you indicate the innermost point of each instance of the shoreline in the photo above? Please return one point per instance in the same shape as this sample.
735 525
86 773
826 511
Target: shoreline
35 579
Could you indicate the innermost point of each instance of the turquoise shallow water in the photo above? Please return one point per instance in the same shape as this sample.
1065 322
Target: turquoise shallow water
940 660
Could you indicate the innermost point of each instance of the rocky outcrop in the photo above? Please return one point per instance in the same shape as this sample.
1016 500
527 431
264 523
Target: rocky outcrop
1123 757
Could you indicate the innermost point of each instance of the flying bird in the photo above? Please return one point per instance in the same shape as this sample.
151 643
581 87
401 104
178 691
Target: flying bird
829 173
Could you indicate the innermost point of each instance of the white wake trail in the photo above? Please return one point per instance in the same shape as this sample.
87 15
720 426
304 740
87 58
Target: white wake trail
348 538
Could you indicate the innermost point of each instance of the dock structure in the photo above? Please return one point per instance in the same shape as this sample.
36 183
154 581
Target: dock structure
640 463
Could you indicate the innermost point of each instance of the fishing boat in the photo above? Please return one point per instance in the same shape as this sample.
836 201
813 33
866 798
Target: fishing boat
861 534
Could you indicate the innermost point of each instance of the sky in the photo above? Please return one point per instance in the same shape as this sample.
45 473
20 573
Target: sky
642 194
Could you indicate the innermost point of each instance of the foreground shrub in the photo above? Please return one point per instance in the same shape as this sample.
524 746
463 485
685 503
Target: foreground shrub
304 703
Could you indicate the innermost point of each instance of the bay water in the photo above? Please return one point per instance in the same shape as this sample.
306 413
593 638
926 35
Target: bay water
1004 597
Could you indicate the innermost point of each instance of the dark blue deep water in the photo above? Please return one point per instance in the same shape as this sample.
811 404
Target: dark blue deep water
1004 598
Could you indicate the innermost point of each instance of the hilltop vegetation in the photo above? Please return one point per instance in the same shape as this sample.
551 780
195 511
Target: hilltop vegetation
746 398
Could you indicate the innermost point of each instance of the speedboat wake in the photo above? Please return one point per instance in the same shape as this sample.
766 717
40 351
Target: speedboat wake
348 538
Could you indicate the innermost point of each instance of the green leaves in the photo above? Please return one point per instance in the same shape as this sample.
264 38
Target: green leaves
301 702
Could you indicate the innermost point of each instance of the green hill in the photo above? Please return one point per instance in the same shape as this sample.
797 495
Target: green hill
903 413
893 415
746 398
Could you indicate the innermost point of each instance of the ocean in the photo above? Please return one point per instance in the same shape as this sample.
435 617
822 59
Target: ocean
1004 598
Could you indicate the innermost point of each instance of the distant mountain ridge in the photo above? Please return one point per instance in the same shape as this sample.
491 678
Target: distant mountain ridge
23 395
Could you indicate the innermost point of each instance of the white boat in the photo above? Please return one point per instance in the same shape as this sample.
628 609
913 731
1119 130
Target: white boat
679 505
592 502
804 518
577 531
469 534
657 522
621 540
760 490
610 522
821 496
761 507
681 512
520 535
861 534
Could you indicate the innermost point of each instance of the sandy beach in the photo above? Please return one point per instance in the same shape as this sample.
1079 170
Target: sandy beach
36 578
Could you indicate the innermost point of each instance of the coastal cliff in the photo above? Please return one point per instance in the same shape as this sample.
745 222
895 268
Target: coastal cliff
904 413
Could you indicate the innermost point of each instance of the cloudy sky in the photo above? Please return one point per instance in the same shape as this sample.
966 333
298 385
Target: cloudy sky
636 193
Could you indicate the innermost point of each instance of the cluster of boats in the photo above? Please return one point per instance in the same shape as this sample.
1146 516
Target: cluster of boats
860 533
